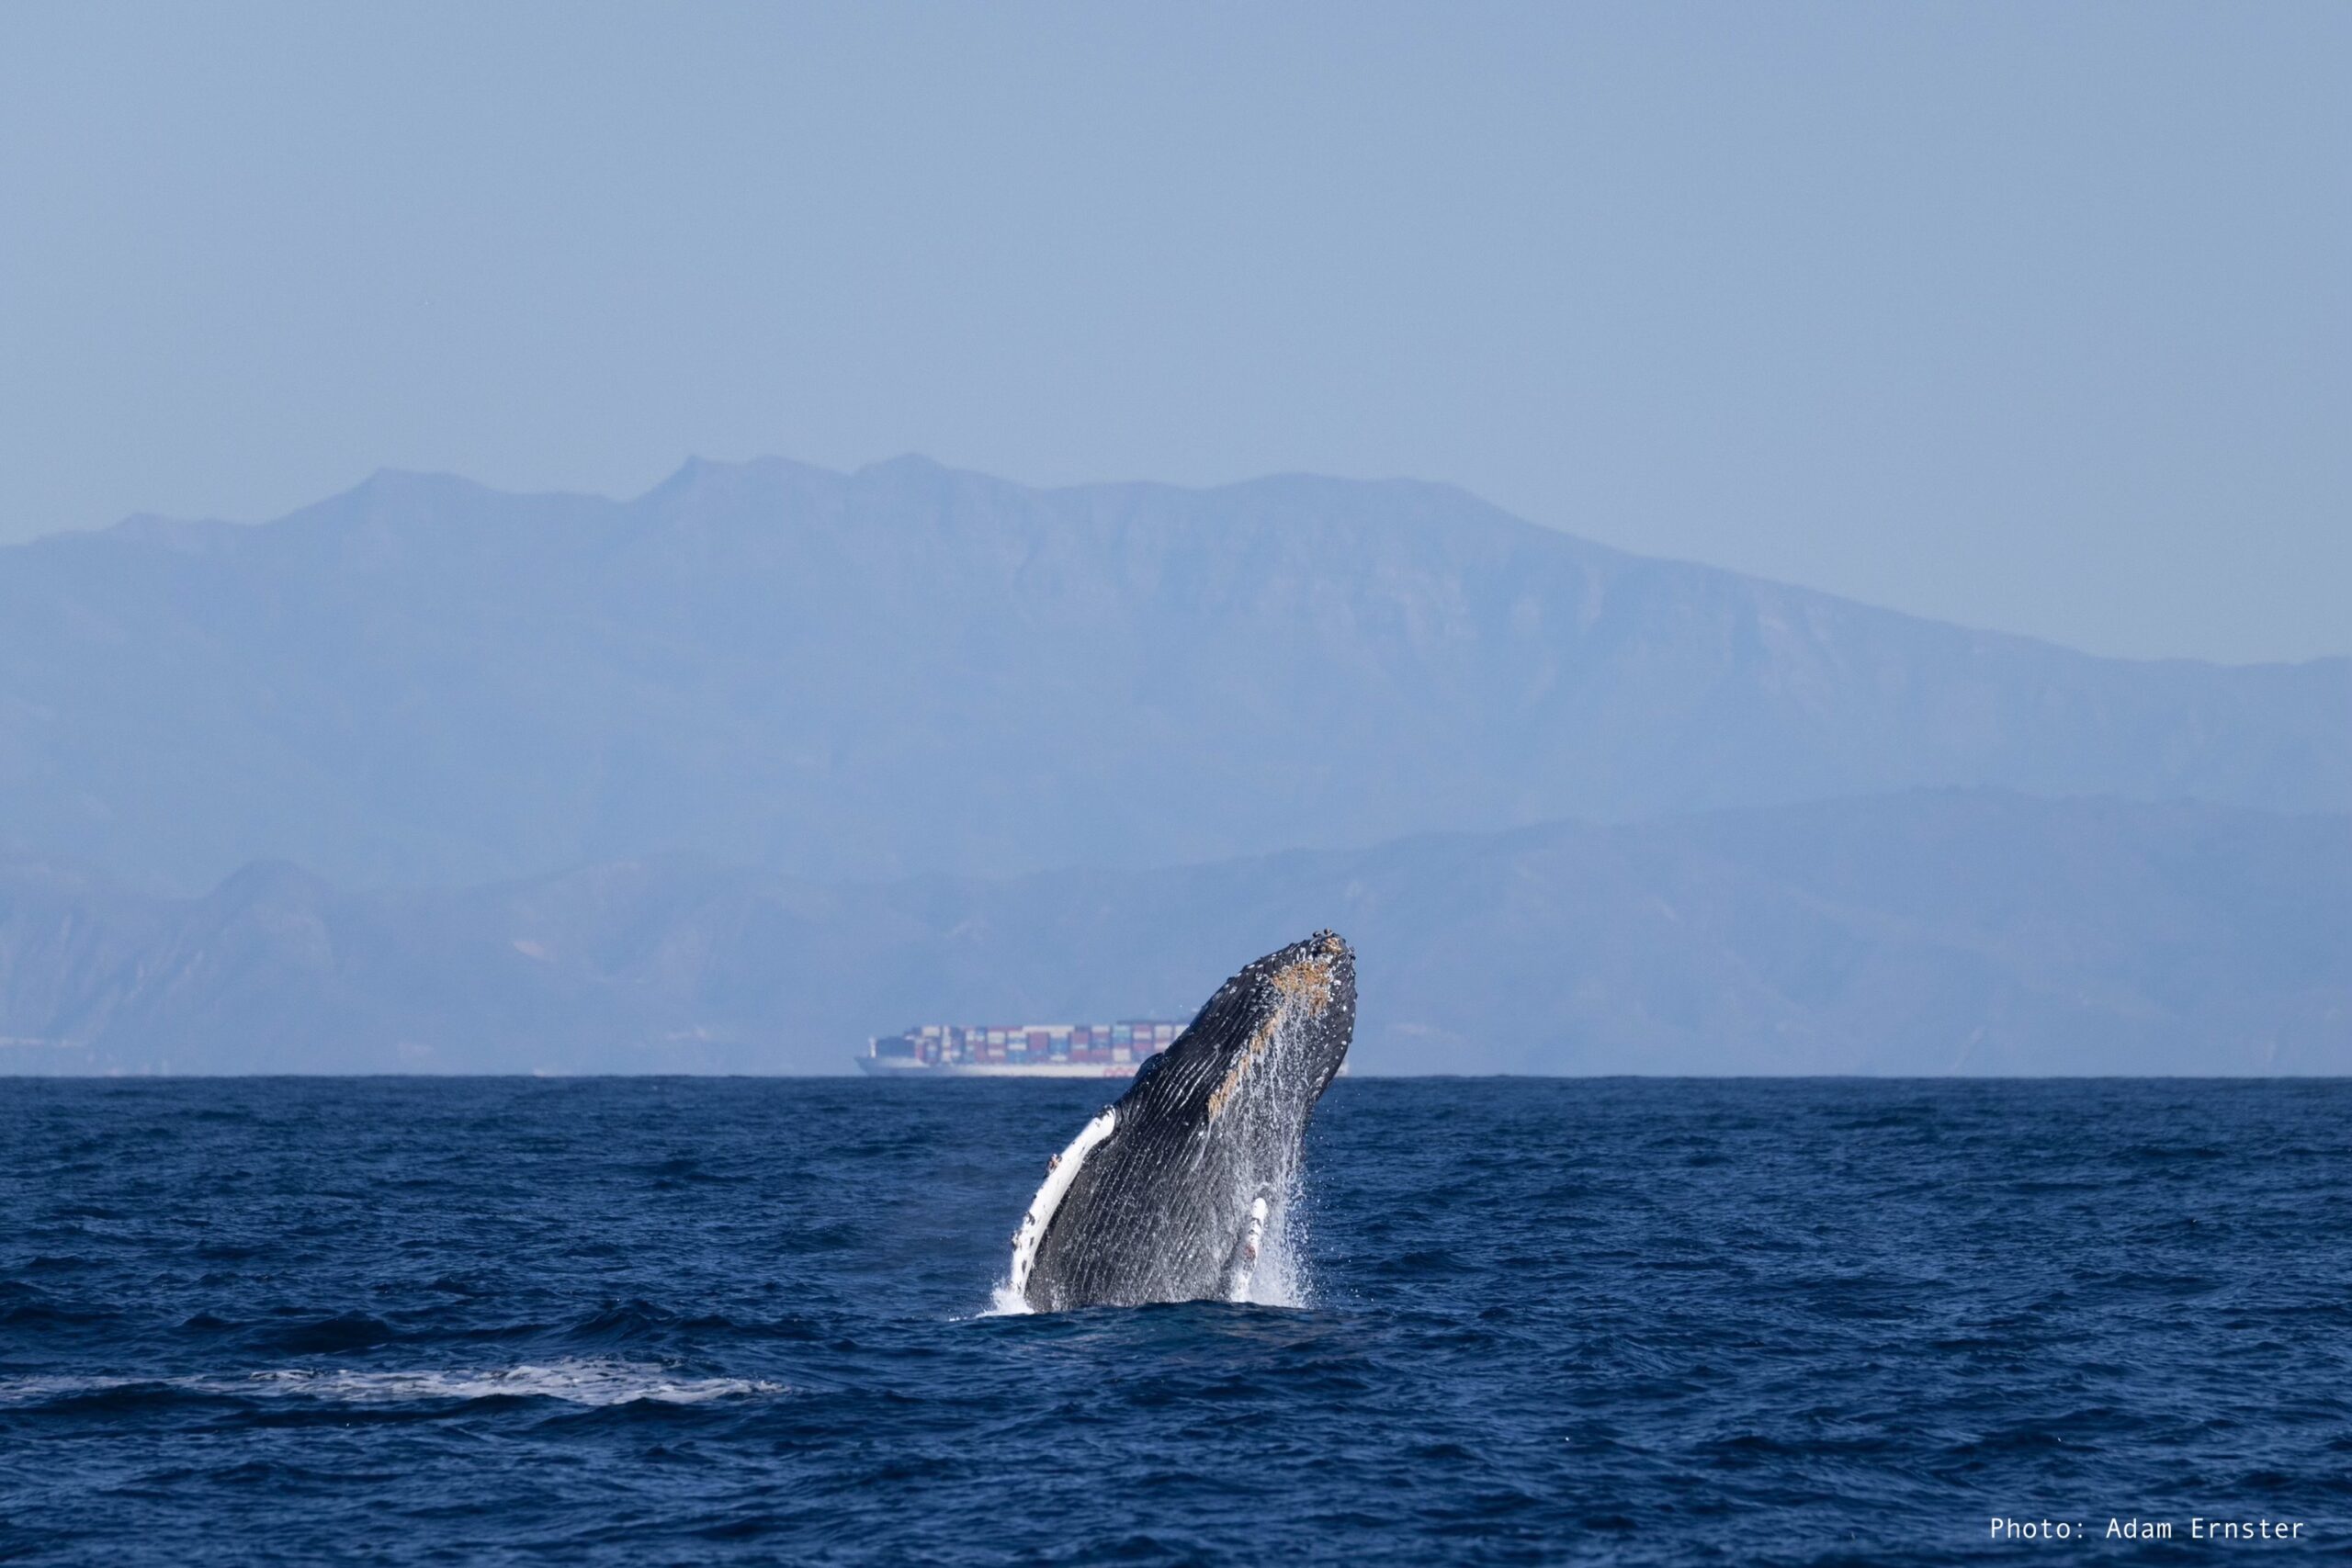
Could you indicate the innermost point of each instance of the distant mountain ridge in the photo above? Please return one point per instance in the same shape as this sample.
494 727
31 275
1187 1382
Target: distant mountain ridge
910 669
1925 932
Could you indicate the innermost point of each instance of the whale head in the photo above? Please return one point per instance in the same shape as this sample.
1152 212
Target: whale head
1273 1037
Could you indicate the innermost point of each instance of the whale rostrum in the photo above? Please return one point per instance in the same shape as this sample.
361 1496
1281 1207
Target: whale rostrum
1169 1195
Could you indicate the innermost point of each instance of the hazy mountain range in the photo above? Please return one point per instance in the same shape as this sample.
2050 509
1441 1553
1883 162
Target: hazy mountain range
428 777
1924 933
912 670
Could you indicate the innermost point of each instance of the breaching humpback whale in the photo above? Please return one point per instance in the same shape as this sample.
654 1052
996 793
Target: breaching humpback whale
1167 1195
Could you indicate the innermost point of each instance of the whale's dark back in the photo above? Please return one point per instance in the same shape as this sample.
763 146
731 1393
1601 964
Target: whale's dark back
1157 1208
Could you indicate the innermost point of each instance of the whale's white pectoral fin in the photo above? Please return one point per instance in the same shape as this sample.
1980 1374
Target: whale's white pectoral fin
1243 1264
1059 1174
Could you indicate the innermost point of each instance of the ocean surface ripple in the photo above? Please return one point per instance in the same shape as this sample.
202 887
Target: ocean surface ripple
1627 1321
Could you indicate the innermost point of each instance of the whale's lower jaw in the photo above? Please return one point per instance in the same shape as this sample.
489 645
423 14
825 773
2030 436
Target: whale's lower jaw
1171 1194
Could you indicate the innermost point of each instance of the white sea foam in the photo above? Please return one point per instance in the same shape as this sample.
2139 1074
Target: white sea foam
593 1381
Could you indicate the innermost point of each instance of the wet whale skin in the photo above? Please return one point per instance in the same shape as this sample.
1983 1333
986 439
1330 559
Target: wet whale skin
1157 1210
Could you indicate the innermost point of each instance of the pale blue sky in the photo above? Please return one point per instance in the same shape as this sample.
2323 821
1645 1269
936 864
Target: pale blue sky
2035 316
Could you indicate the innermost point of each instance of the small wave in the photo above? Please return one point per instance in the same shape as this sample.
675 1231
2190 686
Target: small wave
591 1382
633 1322
327 1336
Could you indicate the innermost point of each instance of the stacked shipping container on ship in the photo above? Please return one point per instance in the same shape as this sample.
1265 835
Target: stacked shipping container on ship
1021 1051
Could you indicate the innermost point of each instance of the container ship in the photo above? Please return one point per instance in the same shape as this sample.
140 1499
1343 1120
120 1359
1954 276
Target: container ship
1020 1050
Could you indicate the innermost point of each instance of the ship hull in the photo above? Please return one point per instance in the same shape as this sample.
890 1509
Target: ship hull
886 1067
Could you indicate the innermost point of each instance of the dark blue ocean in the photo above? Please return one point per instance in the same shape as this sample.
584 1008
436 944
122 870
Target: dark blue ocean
711 1321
